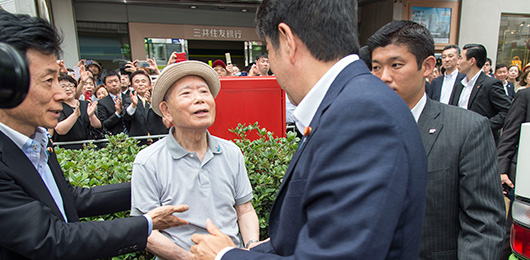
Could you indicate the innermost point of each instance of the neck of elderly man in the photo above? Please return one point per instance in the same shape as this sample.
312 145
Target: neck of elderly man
193 140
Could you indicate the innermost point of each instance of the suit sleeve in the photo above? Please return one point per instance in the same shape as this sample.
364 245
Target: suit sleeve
107 117
358 185
501 104
482 214
510 137
31 229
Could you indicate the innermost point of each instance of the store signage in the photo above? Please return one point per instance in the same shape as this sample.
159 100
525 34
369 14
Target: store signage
217 33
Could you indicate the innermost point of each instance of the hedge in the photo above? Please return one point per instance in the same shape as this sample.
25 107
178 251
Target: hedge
266 159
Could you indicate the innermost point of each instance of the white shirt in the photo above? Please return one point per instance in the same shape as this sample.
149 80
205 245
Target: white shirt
505 85
418 108
447 86
305 111
466 91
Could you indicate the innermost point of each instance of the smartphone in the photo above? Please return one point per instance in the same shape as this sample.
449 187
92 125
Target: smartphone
510 192
228 58
142 64
88 62
88 95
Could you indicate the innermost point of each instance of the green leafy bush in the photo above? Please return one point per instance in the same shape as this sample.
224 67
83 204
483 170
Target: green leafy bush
266 159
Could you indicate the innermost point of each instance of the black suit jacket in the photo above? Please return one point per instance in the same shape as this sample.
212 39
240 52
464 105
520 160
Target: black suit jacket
507 148
144 121
435 90
464 215
487 98
32 226
107 116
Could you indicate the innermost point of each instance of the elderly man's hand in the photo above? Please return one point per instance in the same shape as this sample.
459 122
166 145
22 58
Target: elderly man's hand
163 217
208 246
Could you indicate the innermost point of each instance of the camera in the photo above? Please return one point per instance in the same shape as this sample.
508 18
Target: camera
14 77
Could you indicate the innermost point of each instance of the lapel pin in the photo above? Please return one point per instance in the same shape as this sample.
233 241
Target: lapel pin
218 148
50 150
432 131
478 86
307 131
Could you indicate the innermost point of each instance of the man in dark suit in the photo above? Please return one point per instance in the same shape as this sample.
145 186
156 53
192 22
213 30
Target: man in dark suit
356 183
478 92
139 114
501 73
111 107
441 88
507 149
39 208
464 216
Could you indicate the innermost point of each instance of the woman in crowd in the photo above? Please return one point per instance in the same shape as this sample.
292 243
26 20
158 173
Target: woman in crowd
513 75
76 118
101 92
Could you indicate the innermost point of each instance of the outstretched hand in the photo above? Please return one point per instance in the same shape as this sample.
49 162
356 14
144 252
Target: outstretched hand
163 217
208 246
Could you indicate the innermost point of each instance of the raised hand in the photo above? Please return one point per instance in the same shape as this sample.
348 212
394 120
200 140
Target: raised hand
163 217
91 108
118 105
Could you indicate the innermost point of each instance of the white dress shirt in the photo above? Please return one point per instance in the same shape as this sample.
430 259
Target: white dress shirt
447 86
418 108
466 91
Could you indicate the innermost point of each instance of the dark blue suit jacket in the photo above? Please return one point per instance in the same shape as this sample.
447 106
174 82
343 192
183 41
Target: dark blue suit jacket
435 90
355 188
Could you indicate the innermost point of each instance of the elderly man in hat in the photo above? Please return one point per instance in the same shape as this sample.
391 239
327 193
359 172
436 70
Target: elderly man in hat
192 166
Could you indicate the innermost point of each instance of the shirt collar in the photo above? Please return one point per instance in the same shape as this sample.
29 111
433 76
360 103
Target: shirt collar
472 81
177 151
453 74
305 111
418 108
17 138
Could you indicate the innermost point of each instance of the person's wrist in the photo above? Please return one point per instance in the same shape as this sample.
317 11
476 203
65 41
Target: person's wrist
250 242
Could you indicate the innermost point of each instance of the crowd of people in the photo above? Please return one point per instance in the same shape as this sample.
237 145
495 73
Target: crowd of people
399 158
119 101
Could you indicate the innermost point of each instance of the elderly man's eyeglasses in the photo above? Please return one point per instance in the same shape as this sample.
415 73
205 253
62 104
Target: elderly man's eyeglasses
65 86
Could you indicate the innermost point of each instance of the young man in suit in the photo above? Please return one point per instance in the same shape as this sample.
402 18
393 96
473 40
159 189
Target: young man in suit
357 181
501 73
464 216
111 107
140 114
39 208
478 92
441 88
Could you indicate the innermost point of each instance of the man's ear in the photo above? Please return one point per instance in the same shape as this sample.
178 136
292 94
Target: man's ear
428 65
288 41
164 108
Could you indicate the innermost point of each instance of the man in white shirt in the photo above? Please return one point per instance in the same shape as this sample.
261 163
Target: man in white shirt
357 181
478 92
441 88
501 73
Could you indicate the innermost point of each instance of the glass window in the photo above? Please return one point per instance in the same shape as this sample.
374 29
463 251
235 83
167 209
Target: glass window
107 43
514 40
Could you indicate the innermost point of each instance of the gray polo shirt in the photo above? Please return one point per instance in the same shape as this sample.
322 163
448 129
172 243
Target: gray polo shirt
166 174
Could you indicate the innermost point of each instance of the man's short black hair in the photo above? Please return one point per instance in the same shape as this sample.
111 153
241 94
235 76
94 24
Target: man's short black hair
452 46
24 32
477 51
414 36
366 56
327 28
262 55
139 72
500 66
109 73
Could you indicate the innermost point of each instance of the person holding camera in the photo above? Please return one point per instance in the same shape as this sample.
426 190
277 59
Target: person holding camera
39 208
